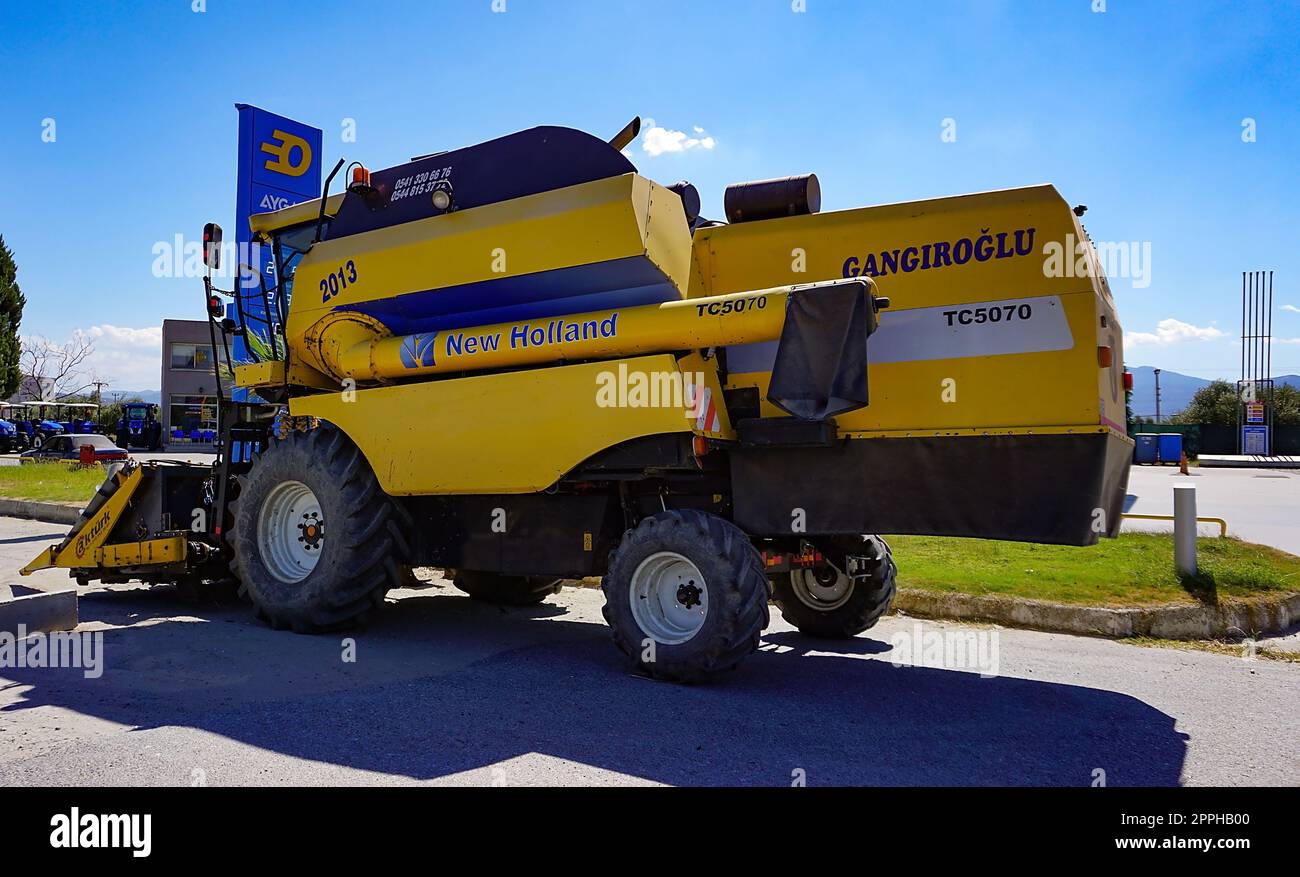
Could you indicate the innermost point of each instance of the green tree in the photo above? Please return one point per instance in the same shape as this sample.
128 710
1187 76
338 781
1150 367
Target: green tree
11 316
1286 405
1215 403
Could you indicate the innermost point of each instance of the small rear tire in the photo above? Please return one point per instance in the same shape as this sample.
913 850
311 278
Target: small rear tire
828 604
504 590
686 595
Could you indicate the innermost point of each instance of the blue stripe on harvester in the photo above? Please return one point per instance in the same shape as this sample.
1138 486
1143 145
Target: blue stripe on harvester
618 283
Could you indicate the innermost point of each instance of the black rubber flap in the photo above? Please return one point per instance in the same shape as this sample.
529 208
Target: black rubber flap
821 359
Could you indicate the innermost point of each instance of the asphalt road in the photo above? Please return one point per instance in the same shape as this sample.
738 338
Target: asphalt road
448 691
1260 505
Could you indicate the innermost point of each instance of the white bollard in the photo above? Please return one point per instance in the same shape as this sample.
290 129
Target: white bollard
1185 529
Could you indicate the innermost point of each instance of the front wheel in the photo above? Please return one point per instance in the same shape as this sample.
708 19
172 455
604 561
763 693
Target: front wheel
686 595
317 543
827 603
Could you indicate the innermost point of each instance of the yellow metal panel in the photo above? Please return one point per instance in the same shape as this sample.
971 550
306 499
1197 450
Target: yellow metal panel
260 374
272 374
577 225
667 240
517 432
84 542
997 247
708 397
295 214
169 549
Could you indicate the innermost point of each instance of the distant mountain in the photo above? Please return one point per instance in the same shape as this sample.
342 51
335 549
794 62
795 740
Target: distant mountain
154 396
1176 390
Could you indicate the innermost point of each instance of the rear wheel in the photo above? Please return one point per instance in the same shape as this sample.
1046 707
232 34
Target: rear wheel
506 590
686 595
828 603
316 542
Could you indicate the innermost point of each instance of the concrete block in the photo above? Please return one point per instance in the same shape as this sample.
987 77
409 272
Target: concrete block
39 611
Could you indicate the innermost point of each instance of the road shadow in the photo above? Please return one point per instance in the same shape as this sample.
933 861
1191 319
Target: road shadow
442 684
44 537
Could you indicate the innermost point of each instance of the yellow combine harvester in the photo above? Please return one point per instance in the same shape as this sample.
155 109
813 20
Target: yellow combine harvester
523 362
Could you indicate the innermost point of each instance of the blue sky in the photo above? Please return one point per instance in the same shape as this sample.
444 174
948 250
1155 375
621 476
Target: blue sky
1136 111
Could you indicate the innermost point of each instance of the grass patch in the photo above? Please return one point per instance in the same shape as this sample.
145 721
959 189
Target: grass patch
1137 569
51 482
1216 646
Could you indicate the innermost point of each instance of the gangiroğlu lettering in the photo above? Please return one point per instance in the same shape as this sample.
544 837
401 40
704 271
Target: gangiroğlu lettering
941 254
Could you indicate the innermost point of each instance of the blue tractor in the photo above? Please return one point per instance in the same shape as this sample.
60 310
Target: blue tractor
139 427
34 421
12 439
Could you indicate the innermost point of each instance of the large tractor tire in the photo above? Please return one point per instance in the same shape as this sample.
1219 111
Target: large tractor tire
317 543
504 590
686 595
829 604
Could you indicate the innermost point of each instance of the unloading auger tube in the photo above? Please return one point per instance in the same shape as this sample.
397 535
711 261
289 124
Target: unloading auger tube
351 345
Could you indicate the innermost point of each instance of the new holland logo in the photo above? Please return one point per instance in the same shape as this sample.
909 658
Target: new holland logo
417 350
282 148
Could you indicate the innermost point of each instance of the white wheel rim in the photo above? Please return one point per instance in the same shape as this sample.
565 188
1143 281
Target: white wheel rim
669 598
821 594
291 531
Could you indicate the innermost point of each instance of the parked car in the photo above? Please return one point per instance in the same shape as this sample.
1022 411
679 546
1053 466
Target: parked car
68 447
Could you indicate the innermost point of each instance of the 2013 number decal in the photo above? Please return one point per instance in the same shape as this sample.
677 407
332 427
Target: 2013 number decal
337 281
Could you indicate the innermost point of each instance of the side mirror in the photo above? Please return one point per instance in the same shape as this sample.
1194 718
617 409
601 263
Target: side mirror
212 246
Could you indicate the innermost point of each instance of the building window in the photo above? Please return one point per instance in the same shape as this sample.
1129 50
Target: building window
192 417
194 357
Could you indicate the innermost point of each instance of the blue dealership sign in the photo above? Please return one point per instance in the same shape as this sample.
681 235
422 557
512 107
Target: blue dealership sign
279 166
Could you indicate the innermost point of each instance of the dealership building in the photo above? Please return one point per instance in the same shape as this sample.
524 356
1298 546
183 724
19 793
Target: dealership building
189 382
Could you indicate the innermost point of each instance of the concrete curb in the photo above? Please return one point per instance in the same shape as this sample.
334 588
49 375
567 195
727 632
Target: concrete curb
49 512
37 612
1230 618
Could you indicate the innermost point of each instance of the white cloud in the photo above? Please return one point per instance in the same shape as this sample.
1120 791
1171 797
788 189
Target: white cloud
127 358
1292 308
656 140
130 359
1173 331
